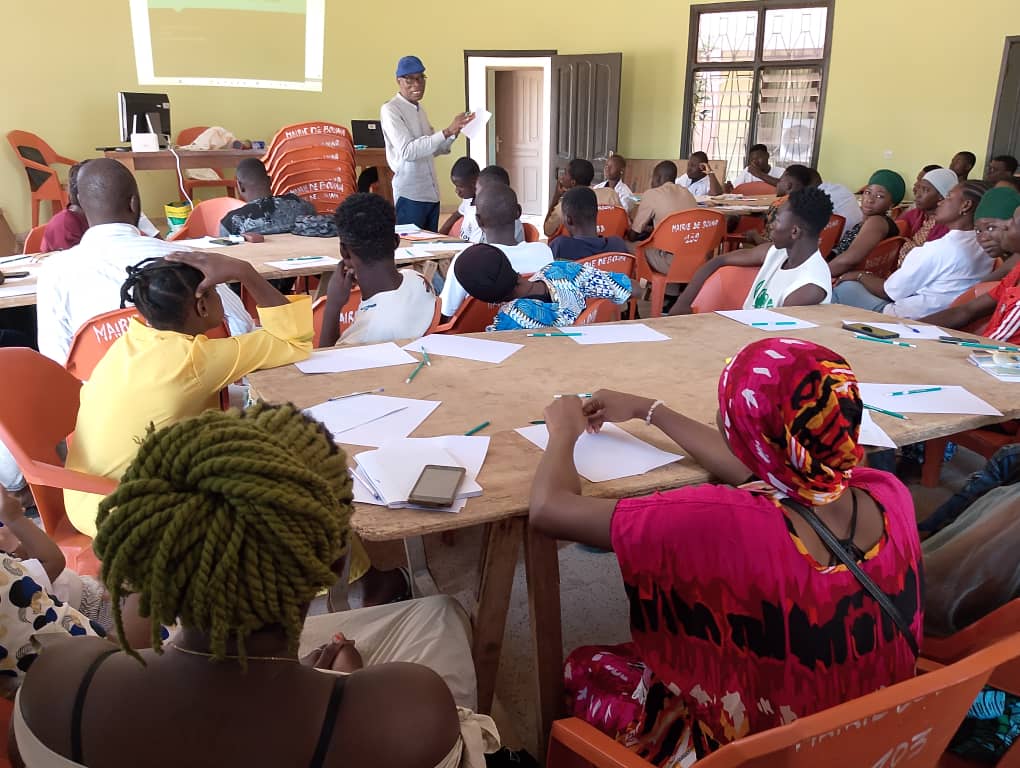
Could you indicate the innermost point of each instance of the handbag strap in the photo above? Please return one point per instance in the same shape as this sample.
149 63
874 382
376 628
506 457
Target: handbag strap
833 545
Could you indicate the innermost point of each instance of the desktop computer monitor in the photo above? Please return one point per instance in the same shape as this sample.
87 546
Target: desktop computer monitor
144 113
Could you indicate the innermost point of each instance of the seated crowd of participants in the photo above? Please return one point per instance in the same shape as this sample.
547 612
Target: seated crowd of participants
227 525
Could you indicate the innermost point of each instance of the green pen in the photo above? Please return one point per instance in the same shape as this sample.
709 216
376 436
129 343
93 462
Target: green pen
427 359
415 372
783 322
885 341
915 391
537 421
305 258
579 394
548 335
479 428
887 413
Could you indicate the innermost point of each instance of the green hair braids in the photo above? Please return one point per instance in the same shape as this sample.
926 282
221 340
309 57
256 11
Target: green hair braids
229 522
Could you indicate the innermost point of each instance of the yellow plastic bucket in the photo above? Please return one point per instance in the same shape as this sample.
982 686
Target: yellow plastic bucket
176 214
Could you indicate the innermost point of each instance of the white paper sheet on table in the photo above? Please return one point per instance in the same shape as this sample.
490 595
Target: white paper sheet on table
608 455
401 461
406 229
475 130
372 419
304 262
432 251
203 243
775 320
344 359
616 334
872 434
483 350
948 399
907 331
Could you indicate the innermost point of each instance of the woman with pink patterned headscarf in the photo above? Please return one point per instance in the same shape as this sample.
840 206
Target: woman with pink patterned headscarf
741 618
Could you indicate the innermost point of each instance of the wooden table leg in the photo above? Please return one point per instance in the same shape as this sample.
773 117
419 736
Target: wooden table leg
542 565
499 560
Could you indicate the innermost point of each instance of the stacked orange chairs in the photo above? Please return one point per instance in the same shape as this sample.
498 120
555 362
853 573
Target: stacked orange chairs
313 160
38 159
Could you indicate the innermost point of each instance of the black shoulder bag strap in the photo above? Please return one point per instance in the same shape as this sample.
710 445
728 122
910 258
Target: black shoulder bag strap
833 545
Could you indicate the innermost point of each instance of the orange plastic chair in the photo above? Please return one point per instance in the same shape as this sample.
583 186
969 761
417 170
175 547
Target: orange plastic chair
473 316
34 239
346 314
611 221
754 188
303 154
884 257
831 234
205 218
38 157
902 225
455 229
94 338
910 723
691 236
187 136
531 233
38 411
726 288
598 311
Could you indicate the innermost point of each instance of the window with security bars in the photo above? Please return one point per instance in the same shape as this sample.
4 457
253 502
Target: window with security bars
756 75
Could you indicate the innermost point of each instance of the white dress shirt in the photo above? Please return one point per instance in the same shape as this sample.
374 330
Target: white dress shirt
935 273
411 145
700 188
525 258
625 193
746 177
84 281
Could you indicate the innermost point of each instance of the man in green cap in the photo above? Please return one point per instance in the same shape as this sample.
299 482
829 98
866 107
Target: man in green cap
932 275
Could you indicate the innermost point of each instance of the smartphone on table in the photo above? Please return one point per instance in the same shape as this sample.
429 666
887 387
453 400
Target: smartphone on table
14 275
437 486
870 330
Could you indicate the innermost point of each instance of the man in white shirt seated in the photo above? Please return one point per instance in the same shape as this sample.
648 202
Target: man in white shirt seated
792 272
932 275
77 284
758 168
613 171
470 230
497 211
844 202
464 177
395 304
412 144
700 180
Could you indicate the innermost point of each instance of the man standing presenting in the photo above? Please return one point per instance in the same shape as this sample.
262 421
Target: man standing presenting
411 145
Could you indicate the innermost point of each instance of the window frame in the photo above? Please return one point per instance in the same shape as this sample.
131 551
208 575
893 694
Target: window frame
755 64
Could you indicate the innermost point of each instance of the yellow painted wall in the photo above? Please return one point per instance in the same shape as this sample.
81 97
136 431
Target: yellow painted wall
916 77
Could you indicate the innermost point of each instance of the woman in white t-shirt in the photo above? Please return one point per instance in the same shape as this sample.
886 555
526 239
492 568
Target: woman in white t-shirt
791 270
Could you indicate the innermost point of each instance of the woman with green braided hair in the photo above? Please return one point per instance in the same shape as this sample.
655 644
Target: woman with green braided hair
229 524
884 191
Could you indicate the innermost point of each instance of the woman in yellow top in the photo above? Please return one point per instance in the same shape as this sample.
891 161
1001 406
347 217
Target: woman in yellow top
169 370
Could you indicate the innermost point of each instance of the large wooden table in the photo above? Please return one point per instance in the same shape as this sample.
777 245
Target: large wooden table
163 160
275 248
683 371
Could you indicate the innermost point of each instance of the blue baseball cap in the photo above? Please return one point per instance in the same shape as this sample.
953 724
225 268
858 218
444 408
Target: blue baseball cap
409 65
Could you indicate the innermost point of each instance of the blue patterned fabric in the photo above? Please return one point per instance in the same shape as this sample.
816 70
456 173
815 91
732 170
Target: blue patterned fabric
570 285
